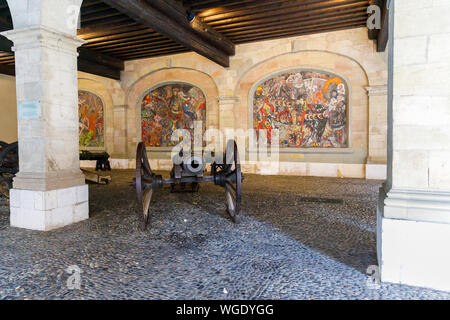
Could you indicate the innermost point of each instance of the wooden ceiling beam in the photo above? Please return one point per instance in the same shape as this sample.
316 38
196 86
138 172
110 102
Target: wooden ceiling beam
254 5
7 69
204 5
93 34
100 58
288 21
145 37
101 15
286 12
116 21
373 34
383 34
5 44
113 49
356 16
146 55
154 53
326 28
165 18
150 50
98 69
126 50
267 8
301 29
179 13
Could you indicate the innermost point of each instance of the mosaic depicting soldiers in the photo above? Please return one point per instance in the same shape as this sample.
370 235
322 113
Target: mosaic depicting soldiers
308 108
90 113
168 108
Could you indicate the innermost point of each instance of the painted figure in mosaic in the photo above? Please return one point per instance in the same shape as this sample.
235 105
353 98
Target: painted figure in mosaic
309 108
91 123
168 108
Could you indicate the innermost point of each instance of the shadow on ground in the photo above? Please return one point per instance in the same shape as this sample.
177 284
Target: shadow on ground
285 247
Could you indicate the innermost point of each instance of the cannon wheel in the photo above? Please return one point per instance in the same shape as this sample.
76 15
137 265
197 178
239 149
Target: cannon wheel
233 181
144 188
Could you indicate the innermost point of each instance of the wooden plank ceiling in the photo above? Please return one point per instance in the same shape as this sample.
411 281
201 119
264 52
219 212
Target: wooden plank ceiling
114 36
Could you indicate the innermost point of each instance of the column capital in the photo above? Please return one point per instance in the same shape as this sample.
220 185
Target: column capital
41 36
57 14
377 90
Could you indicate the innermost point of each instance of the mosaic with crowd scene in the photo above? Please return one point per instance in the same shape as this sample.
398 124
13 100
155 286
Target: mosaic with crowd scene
309 108
168 108
90 115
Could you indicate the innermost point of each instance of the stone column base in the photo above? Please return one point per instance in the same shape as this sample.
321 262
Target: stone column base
413 252
376 171
47 210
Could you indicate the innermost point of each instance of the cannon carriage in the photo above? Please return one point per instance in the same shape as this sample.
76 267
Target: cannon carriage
186 176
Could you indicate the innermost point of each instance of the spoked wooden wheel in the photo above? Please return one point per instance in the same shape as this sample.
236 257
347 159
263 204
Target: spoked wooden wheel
144 184
233 181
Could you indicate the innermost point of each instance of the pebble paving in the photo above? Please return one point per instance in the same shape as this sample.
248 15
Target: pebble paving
285 247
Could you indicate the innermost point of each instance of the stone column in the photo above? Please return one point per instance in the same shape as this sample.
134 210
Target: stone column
227 115
414 207
376 161
120 132
49 191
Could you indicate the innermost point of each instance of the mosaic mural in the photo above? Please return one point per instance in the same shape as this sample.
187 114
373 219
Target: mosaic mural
309 109
170 107
91 125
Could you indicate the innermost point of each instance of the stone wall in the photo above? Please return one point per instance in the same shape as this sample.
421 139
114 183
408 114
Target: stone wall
348 54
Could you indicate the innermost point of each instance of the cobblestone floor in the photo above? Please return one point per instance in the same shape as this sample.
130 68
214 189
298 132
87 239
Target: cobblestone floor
285 248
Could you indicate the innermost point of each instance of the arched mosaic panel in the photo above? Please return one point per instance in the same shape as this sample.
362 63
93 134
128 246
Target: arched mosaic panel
91 120
170 107
309 108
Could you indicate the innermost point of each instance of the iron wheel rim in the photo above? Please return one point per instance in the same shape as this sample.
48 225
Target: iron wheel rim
233 184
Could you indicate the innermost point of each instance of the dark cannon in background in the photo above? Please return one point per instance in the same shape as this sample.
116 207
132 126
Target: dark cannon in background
9 165
101 158
102 163
226 174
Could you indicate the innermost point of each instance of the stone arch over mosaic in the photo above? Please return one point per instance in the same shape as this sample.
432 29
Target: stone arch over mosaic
169 107
91 120
308 107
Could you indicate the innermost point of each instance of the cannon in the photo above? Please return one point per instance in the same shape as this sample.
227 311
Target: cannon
101 158
9 165
190 172
101 163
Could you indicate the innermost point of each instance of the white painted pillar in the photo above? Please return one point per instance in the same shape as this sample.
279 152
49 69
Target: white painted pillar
49 191
414 207
376 160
